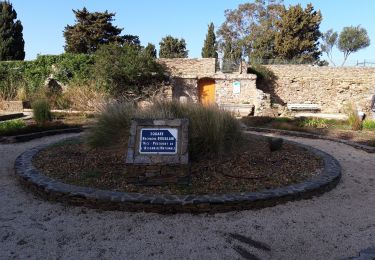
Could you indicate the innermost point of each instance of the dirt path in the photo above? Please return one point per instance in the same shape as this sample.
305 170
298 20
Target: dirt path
335 225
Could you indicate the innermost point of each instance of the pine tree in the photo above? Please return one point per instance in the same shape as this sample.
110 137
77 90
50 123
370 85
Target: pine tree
150 50
92 30
12 45
298 34
171 47
209 49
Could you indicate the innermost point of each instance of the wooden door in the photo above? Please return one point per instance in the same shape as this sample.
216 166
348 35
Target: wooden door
206 88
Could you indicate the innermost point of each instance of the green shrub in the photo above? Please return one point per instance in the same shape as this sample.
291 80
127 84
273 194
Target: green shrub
313 122
11 79
11 125
353 119
118 70
42 111
369 124
126 69
264 75
31 75
212 132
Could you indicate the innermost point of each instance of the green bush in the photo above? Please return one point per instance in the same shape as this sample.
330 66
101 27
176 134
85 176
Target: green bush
264 75
369 124
119 70
212 132
42 111
11 79
126 69
31 75
313 122
11 125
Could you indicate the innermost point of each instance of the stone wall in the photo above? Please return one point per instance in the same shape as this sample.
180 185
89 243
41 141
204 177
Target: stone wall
186 73
329 87
185 68
224 88
185 89
11 106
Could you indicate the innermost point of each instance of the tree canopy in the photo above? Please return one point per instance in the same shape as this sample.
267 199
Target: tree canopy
150 50
329 40
250 29
92 30
352 39
209 49
265 30
12 44
298 34
126 69
171 47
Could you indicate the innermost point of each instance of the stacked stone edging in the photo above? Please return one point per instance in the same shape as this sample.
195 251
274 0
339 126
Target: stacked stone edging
31 136
366 148
162 203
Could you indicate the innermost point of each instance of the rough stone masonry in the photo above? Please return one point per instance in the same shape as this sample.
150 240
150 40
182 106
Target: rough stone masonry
329 87
154 159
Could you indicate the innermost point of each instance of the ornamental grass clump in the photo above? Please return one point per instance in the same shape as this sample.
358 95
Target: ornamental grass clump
212 132
42 111
113 124
354 120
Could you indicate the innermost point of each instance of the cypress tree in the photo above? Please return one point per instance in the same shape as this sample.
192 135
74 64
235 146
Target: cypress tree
209 49
12 45
150 50
298 35
228 50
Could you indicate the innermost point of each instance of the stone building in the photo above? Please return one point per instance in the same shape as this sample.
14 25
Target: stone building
329 88
197 80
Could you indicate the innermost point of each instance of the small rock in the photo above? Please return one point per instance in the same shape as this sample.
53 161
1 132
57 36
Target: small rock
275 144
21 242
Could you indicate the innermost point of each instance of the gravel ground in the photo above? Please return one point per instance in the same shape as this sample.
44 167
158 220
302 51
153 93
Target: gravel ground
336 225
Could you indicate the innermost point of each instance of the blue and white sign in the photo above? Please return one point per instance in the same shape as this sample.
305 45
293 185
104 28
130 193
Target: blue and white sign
158 141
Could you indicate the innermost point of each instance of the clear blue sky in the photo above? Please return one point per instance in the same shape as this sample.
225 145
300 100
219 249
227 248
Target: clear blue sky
44 20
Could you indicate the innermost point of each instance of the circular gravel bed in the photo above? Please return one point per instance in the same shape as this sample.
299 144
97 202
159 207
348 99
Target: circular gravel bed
169 203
